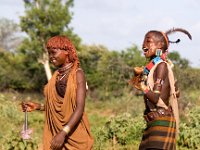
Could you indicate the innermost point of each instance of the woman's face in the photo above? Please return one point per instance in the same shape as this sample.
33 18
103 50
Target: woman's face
58 57
150 45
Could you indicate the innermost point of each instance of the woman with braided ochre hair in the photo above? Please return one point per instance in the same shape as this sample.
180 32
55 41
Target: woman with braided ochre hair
66 124
158 85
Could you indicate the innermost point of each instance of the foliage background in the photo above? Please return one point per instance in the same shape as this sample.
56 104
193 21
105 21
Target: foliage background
114 108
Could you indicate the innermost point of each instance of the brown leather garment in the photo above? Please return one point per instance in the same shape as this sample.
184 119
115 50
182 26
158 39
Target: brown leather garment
159 112
58 111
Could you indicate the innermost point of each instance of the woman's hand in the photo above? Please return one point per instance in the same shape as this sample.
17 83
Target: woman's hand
143 87
137 78
58 141
30 106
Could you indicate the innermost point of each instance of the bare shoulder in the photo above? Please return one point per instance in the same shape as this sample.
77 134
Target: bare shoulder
162 66
162 70
80 75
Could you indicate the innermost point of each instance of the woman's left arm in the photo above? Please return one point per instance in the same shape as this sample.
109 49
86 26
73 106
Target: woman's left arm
80 99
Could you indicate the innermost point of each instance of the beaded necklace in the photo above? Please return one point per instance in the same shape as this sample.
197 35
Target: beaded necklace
64 71
153 62
150 65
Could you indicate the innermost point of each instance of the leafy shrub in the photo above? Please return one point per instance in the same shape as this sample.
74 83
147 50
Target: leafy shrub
188 78
189 136
121 130
13 141
12 120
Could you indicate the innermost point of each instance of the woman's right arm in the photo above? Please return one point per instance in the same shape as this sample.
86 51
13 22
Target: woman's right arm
31 106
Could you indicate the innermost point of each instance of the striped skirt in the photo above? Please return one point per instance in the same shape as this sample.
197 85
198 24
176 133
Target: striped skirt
160 134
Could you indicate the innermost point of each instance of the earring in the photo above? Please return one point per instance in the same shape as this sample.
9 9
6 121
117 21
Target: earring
158 52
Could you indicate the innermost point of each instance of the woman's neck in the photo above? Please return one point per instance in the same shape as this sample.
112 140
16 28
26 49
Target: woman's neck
65 68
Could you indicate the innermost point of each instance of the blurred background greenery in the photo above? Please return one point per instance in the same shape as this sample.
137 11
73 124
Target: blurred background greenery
114 108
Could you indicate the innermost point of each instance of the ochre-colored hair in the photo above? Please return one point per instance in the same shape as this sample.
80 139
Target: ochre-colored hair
63 43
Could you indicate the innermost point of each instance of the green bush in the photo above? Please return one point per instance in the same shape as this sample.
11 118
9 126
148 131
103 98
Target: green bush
121 130
189 136
13 141
12 119
188 78
20 72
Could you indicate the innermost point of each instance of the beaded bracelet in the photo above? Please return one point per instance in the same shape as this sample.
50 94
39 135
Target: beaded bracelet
66 129
156 92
